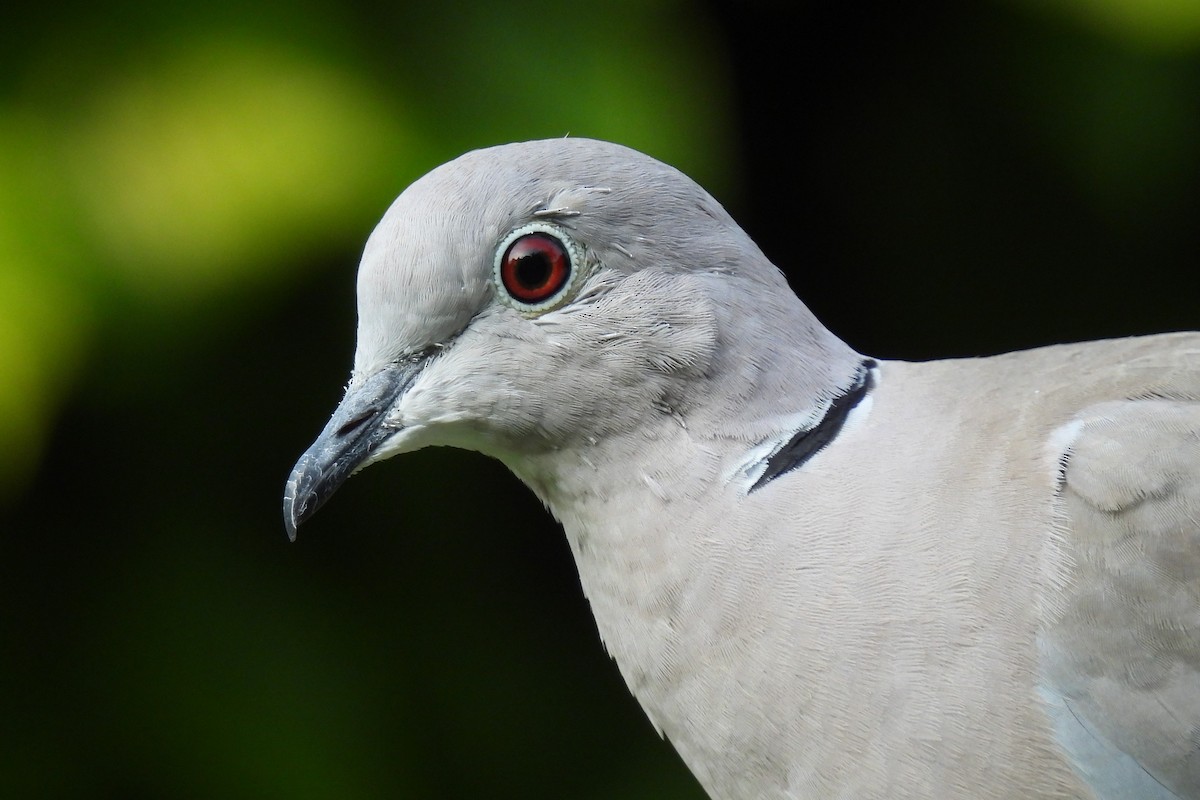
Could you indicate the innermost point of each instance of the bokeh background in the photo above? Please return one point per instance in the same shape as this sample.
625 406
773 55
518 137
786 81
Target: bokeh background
184 191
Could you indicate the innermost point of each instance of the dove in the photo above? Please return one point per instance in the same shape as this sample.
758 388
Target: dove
821 574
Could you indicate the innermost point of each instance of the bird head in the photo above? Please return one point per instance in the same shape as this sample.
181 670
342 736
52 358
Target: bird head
524 298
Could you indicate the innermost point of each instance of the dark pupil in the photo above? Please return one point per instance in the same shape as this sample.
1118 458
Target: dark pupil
533 270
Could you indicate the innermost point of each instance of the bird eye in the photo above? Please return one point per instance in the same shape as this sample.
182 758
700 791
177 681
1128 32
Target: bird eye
535 266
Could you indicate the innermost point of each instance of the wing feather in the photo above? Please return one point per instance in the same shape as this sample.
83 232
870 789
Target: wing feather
1124 657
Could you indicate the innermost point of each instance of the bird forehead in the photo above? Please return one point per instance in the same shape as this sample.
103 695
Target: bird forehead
424 274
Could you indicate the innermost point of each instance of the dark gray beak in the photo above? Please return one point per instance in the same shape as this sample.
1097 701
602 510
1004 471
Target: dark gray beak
353 433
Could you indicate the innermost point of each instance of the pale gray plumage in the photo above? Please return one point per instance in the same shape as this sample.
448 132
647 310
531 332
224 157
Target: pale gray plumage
985 585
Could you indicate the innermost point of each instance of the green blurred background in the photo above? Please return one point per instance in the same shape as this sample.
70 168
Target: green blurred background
184 190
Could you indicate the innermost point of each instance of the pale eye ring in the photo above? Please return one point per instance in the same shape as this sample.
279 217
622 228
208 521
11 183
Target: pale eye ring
536 267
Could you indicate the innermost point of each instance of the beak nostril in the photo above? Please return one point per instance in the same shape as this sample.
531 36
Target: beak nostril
357 422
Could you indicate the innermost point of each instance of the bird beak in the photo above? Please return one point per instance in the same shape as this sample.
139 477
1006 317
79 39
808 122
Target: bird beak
352 434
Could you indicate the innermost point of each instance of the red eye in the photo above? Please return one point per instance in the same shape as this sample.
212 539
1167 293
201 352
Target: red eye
535 267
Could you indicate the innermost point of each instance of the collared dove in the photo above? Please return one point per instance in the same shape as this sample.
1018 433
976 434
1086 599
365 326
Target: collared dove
822 575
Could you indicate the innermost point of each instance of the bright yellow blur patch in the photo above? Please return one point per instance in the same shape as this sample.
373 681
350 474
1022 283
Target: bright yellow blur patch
1171 25
43 320
225 157
42 323
218 165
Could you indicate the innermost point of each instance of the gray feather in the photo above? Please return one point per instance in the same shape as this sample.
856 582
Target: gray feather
985 584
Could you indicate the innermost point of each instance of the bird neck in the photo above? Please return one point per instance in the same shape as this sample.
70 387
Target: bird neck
639 505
